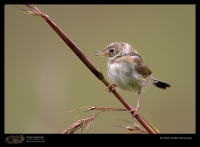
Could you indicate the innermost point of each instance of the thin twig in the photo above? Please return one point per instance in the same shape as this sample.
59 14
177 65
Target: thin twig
88 63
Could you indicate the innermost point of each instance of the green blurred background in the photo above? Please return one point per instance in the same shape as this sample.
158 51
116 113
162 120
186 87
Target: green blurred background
44 79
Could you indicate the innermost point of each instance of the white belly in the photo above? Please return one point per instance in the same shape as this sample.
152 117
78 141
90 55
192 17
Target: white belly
125 77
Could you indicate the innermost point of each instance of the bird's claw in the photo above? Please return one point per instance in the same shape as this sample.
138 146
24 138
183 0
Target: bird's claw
135 113
110 87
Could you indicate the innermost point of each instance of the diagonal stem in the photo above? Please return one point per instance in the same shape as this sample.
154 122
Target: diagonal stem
89 64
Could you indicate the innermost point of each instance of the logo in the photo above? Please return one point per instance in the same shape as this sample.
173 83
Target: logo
14 139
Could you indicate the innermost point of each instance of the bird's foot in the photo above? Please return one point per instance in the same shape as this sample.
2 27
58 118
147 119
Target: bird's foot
110 87
135 113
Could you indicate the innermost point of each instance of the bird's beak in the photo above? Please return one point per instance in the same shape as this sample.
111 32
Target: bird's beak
101 53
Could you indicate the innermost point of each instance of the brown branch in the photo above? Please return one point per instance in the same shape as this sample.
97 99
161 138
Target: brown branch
88 63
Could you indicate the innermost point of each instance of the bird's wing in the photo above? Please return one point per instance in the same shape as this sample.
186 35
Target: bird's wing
141 66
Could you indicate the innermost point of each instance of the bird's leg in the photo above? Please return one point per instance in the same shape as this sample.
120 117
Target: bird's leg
110 87
138 105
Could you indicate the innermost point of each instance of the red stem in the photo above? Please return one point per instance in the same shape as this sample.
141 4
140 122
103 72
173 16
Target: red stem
89 64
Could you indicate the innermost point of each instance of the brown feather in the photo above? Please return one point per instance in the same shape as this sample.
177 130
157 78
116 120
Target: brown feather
141 67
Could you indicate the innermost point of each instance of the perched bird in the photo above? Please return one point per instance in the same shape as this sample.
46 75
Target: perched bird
127 69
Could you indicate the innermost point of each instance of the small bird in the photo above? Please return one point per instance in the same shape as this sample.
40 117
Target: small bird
127 70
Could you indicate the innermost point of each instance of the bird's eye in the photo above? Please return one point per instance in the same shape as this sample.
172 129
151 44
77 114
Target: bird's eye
111 50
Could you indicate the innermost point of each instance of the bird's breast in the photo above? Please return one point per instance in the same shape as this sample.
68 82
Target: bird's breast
124 76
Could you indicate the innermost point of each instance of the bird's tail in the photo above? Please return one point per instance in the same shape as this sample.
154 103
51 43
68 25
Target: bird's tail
160 84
